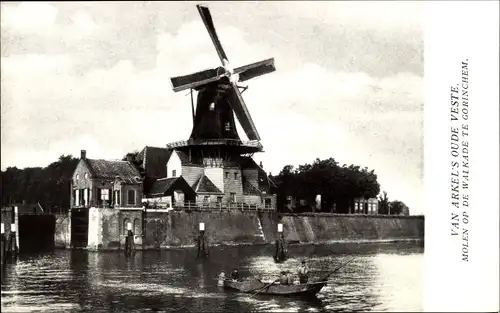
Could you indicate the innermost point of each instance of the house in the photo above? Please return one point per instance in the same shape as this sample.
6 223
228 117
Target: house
171 176
167 192
105 183
365 206
237 181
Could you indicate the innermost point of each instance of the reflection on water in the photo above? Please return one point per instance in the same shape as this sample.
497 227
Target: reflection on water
381 277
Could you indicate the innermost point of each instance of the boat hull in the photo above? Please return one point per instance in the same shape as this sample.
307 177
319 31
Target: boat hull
276 289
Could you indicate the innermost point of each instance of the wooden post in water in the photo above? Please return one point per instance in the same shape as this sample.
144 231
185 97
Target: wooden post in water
202 243
3 243
129 240
13 241
280 254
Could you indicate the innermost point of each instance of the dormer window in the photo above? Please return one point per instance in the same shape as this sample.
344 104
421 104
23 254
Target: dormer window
212 106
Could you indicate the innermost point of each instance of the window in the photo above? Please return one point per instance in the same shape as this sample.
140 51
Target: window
206 199
233 197
131 197
86 175
77 177
219 199
235 175
212 106
125 225
174 172
228 127
81 197
85 197
117 197
104 194
137 226
227 174
267 203
76 197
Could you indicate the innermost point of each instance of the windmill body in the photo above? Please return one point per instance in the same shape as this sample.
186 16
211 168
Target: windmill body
214 161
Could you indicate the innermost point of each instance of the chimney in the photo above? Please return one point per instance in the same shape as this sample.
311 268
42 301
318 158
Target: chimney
129 158
260 164
83 154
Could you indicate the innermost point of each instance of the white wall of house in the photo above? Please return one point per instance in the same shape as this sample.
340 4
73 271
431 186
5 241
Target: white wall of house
216 175
174 165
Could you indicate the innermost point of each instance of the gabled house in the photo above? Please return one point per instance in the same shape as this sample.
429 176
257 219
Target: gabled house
227 182
167 192
105 183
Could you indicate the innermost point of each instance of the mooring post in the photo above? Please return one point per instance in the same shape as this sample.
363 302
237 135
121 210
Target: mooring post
202 244
129 240
3 243
16 221
280 245
13 240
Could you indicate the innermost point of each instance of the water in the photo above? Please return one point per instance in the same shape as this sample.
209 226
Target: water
381 277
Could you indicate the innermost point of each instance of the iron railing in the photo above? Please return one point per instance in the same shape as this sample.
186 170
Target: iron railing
210 142
220 207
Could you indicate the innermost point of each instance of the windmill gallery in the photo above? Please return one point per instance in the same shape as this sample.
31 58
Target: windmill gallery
161 195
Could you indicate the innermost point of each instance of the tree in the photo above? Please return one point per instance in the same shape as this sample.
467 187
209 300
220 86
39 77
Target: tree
383 203
49 186
133 157
337 185
399 208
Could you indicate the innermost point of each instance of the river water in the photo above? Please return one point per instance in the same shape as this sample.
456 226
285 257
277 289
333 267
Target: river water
380 277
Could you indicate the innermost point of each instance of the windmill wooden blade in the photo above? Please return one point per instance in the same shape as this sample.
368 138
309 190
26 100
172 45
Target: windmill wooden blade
194 80
249 71
240 109
209 24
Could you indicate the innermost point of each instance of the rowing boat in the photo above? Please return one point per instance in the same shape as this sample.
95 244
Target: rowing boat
255 286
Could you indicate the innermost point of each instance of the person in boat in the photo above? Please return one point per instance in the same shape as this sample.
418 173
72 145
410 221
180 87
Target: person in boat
289 278
222 278
235 275
283 278
303 273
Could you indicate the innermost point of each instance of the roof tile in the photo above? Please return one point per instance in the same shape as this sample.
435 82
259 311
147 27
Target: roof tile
111 169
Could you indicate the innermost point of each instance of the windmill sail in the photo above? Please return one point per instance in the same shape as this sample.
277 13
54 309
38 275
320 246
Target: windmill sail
240 109
214 118
209 24
255 69
195 80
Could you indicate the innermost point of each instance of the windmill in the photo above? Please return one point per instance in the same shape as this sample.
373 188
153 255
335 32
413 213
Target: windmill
219 96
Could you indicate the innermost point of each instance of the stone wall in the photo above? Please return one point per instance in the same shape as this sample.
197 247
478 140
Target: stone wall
62 234
161 229
323 228
108 228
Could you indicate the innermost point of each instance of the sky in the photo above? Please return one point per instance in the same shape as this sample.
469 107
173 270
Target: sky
95 76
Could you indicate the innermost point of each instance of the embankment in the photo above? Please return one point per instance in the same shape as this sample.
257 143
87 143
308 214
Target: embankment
325 228
62 232
160 230
164 230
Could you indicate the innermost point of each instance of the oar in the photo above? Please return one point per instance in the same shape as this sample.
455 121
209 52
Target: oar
265 287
